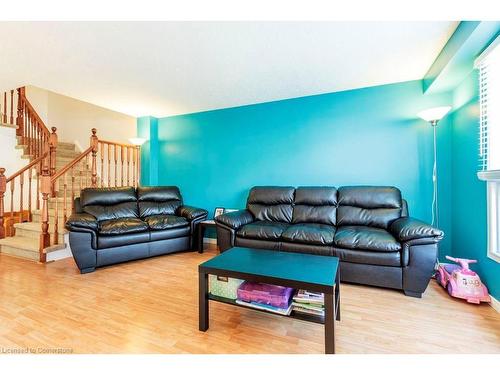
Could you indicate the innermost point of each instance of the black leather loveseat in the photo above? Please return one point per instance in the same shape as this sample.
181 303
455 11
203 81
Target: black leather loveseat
111 225
367 227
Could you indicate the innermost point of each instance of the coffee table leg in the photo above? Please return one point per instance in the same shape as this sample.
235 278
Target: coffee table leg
203 301
337 294
201 231
329 323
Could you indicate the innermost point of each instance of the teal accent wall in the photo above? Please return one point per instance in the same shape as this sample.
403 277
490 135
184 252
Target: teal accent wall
448 55
456 59
147 128
469 210
466 207
360 137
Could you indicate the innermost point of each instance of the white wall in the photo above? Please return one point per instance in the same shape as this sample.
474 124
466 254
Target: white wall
10 159
74 118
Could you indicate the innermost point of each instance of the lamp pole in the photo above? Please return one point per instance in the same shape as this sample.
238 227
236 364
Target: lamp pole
435 205
432 116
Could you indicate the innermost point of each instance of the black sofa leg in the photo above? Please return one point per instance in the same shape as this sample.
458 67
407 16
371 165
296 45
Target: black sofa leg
87 270
409 293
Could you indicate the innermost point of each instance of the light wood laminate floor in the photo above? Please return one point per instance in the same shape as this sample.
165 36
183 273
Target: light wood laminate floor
151 306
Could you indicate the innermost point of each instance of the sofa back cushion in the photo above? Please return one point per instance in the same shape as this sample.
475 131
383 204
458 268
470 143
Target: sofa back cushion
158 200
109 203
315 205
271 203
374 206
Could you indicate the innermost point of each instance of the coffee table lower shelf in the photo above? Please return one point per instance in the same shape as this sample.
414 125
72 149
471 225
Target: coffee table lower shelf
293 315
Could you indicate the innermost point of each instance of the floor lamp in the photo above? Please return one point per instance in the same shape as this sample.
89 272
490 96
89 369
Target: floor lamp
433 115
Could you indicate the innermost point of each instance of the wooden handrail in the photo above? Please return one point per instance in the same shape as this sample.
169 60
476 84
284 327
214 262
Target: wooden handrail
116 143
25 168
70 165
33 112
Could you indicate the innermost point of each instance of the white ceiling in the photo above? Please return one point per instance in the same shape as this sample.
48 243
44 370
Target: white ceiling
168 68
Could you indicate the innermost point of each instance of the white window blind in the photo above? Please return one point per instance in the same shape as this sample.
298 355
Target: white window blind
489 106
489 140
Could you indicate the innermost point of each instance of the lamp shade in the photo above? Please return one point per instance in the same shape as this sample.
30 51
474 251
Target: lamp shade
434 114
137 141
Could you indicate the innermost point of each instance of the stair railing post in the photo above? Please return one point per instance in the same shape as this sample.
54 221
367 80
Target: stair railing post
94 143
52 157
20 112
46 190
3 187
53 148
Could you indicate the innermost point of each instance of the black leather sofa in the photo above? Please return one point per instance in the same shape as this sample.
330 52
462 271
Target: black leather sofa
112 225
367 227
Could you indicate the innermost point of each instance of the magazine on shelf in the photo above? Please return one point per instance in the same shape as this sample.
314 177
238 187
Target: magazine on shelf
260 306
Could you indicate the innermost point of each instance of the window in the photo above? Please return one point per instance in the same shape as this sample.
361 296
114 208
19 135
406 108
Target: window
489 139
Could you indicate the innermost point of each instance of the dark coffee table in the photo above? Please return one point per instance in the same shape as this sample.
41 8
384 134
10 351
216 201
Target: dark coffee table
296 270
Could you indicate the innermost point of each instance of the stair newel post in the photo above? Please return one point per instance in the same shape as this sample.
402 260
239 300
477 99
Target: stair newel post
3 188
20 112
94 143
46 188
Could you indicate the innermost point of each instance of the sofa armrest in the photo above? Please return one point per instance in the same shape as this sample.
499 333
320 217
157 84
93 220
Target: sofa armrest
235 219
192 213
407 229
82 221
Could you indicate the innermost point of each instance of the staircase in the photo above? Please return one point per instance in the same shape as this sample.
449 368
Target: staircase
25 242
40 195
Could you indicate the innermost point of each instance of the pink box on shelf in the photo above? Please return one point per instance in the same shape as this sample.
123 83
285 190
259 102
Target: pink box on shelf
274 295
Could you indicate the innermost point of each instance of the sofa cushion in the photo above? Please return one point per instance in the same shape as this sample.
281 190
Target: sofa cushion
374 206
122 226
158 200
157 235
107 196
105 242
380 258
109 203
116 211
315 205
365 238
162 222
263 230
271 203
310 233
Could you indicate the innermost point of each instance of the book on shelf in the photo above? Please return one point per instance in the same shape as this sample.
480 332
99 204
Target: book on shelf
308 294
307 306
261 306
304 296
308 301
308 311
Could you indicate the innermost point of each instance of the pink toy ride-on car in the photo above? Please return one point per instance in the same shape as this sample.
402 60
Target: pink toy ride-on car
462 282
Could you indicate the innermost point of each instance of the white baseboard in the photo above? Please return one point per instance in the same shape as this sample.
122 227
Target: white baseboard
59 254
210 240
495 303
